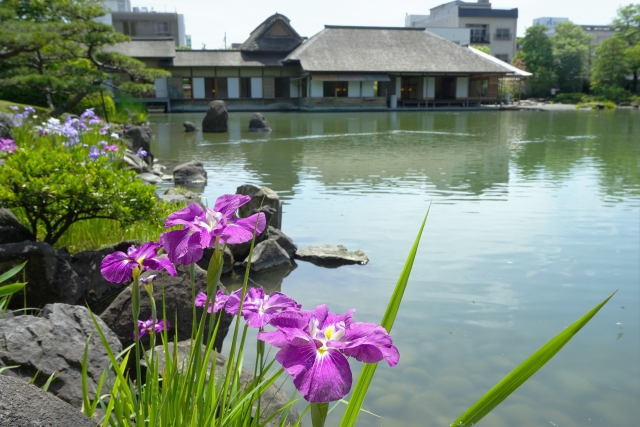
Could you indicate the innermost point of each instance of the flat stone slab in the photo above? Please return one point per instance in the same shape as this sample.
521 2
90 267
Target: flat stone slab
331 256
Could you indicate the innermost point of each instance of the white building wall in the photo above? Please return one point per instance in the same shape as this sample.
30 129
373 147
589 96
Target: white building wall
367 89
233 87
294 88
497 47
462 87
460 36
431 87
198 87
182 37
161 89
256 87
316 89
354 90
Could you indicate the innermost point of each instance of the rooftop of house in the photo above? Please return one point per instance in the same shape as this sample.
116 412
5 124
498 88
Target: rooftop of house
275 34
387 49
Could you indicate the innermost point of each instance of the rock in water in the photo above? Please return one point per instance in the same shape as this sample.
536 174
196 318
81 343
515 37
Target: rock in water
54 341
190 173
265 197
266 255
190 127
259 124
141 138
331 256
216 118
25 405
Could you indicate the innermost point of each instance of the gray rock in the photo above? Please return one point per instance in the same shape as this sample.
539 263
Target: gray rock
180 196
11 230
227 259
5 132
141 138
6 119
216 118
270 401
54 342
267 255
149 178
158 169
331 256
177 293
190 173
134 162
283 240
259 124
49 277
190 127
25 405
264 197
86 264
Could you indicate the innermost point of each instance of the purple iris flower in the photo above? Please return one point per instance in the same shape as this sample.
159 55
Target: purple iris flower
141 153
95 153
14 107
258 308
147 326
29 109
218 302
200 228
88 114
113 147
118 267
7 145
314 347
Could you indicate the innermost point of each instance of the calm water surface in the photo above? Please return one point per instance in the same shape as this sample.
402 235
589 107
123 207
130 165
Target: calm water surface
535 218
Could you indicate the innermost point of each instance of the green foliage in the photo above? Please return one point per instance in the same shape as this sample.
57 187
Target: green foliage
130 111
614 94
597 105
537 56
569 98
570 53
28 95
482 48
7 290
56 47
95 101
524 371
56 186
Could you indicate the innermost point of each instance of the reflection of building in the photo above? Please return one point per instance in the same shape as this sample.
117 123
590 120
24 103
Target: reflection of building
495 28
144 23
599 33
351 67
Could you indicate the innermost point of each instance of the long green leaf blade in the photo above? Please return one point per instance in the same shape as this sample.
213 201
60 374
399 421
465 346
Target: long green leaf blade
10 289
360 391
524 371
11 272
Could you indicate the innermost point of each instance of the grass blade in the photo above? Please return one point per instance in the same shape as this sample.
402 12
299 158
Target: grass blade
11 272
524 371
360 391
10 289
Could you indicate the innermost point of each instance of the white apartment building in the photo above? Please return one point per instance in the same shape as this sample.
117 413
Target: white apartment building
599 33
495 28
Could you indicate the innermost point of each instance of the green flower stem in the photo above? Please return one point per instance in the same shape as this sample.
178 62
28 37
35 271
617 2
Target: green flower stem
319 414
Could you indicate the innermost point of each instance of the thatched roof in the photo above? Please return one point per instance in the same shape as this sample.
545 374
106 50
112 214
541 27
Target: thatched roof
149 48
275 34
226 58
387 49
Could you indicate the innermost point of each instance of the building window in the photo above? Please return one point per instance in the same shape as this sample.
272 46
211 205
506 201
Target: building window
281 87
187 91
503 57
245 87
129 28
331 89
503 34
409 88
478 33
162 29
216 88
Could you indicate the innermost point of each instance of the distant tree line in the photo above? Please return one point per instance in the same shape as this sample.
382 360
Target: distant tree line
569 62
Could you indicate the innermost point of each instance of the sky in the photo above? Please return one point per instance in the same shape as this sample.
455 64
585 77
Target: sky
208 21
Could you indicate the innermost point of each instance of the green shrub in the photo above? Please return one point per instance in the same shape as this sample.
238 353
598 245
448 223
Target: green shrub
129 111
595 105
94 101
569 98
612 93
28 96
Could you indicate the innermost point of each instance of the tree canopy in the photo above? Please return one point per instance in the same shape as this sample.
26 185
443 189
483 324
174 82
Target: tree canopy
537 55
58 48
570 54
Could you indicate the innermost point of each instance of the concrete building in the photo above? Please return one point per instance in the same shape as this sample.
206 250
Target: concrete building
599 33
144 23
495 28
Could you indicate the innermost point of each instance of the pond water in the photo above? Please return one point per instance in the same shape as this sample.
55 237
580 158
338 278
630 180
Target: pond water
535 219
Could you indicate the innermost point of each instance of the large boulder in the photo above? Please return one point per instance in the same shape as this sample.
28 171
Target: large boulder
86 264
227 259
25 405
181 195
190 127
267 255
271 400
149 178
331 256
258 123
5 132
216 118
190 173
11 230
265 197
134 162
283 240
54 343
141 138
177 295
49 276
